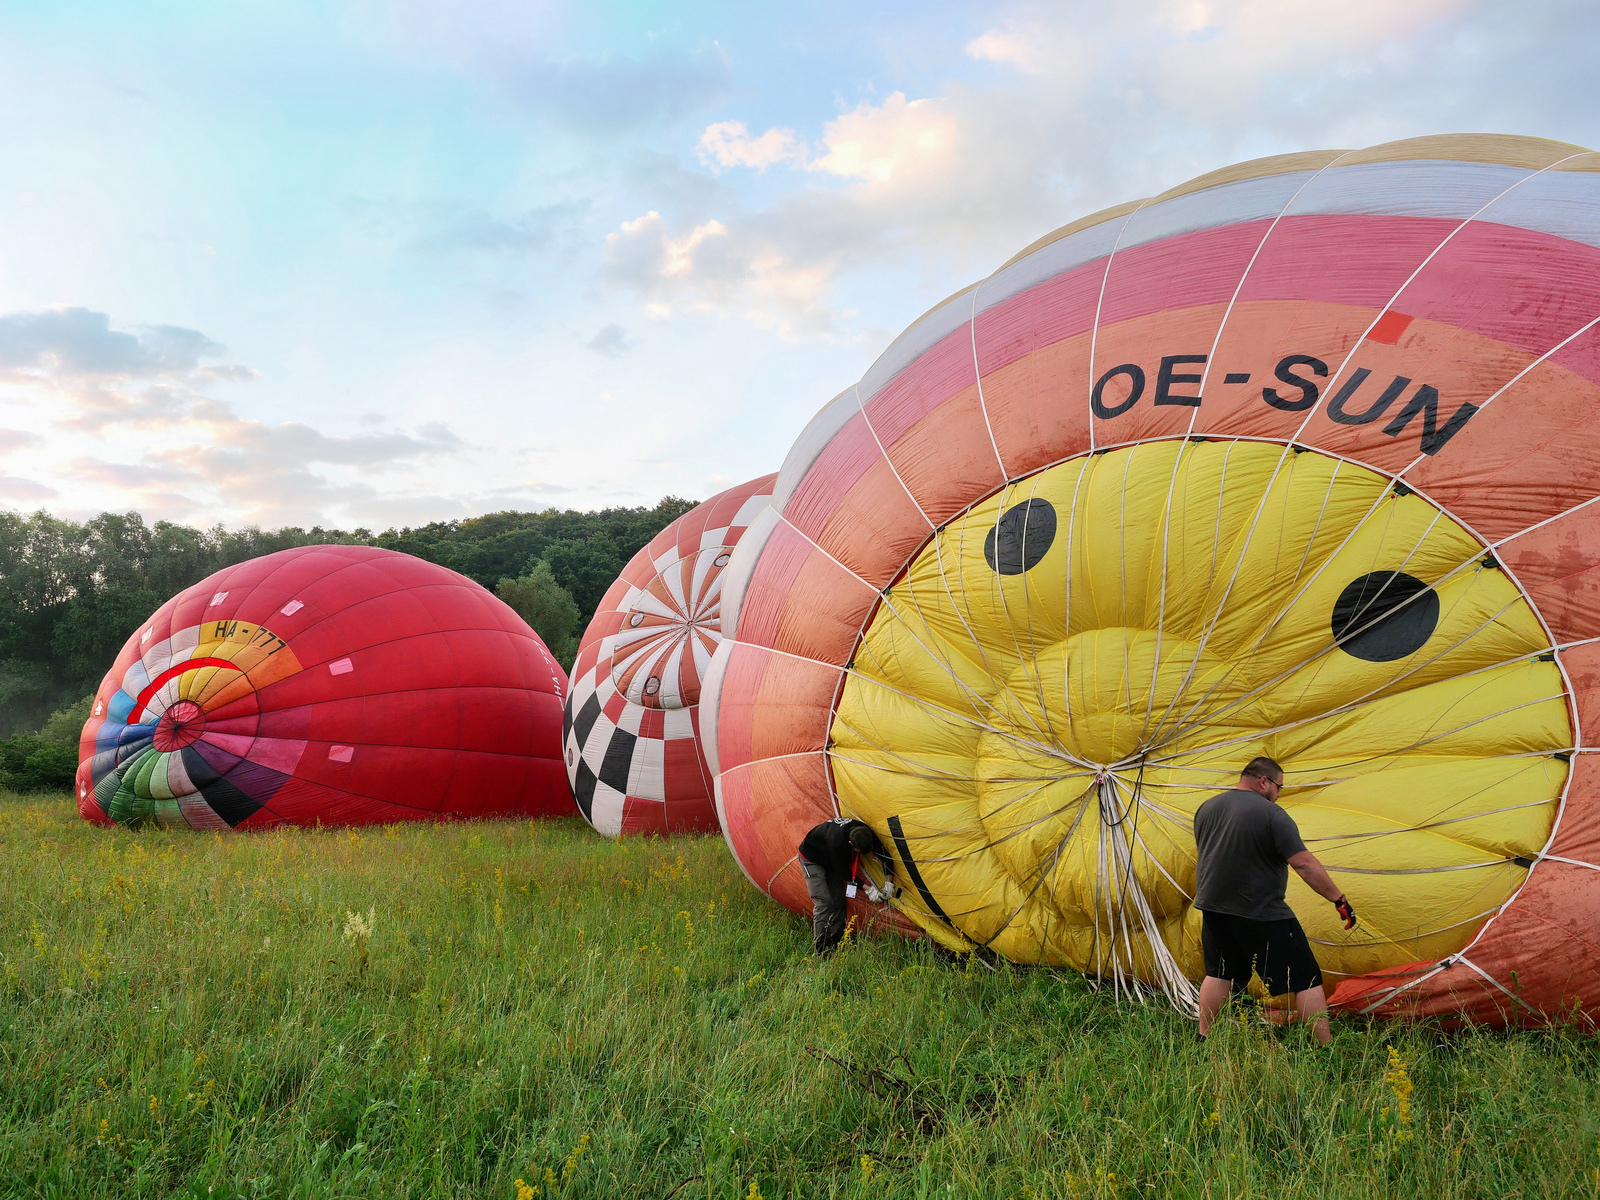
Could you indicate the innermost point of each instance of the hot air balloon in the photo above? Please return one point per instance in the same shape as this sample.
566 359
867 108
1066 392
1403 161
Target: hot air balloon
632 730
333 685
1299 458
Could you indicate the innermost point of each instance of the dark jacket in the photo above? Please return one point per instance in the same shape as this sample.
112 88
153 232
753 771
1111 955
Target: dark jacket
828 846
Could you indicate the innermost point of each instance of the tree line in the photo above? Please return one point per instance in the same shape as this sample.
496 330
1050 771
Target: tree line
71 592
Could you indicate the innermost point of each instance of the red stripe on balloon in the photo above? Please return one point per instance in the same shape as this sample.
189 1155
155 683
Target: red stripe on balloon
156 684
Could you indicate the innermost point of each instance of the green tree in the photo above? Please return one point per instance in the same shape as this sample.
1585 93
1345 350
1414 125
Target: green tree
586 568
27 764
71 592
65 725
547 606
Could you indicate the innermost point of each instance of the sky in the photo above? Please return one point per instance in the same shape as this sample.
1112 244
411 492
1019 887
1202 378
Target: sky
384 262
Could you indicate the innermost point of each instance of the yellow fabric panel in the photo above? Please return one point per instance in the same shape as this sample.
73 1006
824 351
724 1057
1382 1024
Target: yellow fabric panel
1494 805
1397 536
1216 503
1007 616
1482 621
875 717
923 648
1515 709
1044 714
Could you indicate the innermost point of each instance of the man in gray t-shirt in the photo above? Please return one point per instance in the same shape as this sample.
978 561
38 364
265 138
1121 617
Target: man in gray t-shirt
1244 847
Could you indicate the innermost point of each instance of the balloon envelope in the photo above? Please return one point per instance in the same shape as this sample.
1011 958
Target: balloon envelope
332 685
632 730
1296 459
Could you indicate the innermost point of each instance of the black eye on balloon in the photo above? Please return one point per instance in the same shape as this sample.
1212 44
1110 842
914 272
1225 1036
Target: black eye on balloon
1021 537
1386 615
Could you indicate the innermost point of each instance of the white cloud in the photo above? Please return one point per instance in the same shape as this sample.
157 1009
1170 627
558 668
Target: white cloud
890 167
1086 105
122 476
12 440
644 254
921 138
872 142
13 487
78 343
1010 47
704 271
135 407
729 144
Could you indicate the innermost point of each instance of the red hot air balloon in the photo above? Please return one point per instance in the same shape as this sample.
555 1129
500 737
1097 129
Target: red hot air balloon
633 718
335 685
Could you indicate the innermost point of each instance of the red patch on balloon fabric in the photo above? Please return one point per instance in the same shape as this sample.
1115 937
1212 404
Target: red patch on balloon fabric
1389 328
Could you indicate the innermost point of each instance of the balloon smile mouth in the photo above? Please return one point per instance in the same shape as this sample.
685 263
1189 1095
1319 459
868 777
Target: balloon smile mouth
181 725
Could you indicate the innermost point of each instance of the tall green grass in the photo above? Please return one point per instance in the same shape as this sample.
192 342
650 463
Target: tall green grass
208 1016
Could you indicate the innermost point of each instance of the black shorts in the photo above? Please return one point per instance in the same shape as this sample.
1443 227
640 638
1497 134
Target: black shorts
1276 950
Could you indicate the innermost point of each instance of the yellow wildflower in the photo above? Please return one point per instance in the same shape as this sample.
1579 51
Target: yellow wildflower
1398 1115
572 1159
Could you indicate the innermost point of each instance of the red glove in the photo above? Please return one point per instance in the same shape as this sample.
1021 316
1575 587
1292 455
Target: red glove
1346 912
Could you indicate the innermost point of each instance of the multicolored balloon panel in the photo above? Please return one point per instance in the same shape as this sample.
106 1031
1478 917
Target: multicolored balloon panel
329 685
1299 458
633 720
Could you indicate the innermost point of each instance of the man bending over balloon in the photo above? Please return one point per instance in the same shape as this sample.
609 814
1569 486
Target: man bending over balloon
1245 845
830 857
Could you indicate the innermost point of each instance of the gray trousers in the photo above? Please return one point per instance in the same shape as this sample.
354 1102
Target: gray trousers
827 907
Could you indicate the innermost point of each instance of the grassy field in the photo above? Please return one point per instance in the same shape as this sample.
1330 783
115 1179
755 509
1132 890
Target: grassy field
517 1010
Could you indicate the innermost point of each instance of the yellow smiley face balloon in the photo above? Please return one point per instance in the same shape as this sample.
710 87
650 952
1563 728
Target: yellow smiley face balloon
1299 459
1073 665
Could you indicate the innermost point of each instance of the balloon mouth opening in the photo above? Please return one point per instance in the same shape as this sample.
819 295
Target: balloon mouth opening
658 653
180 726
